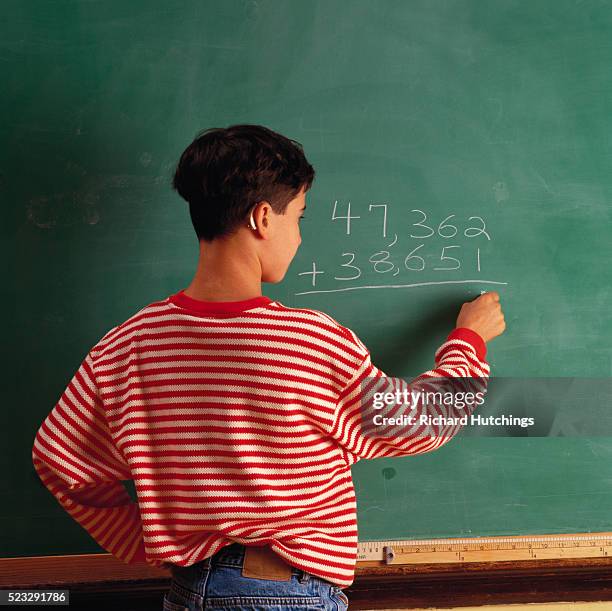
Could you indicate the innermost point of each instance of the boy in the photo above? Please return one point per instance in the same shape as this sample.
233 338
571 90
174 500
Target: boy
237 417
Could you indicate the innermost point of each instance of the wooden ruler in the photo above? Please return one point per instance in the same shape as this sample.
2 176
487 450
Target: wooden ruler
487 549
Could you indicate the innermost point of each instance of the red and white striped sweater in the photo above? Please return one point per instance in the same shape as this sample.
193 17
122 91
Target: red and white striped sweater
236 422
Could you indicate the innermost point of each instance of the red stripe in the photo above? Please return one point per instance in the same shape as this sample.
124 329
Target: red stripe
202 383
255 338
214 359
237 371
276 330
238 488
177 507
177 347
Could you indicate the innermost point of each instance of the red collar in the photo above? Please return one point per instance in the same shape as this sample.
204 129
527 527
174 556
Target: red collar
217 307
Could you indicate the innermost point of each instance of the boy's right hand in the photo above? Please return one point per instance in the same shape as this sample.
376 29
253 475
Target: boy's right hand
483 315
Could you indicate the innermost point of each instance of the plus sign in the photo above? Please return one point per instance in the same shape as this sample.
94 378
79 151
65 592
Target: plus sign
314 273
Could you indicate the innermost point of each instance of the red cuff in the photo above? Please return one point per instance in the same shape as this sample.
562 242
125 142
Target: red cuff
472 338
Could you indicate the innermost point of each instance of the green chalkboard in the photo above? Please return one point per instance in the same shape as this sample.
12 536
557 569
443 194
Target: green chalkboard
472 141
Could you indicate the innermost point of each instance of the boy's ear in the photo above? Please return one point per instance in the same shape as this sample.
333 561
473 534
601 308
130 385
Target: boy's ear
262 216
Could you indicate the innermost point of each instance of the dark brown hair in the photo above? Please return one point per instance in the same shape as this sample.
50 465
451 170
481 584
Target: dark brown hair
224 172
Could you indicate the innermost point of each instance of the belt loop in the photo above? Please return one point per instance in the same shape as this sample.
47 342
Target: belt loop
304 576
206 563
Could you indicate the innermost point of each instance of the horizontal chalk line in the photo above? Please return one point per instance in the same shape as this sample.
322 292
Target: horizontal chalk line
401 286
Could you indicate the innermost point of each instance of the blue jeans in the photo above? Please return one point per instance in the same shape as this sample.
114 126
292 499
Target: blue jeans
216 584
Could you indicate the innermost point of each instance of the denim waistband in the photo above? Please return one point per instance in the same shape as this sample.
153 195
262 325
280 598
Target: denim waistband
231 555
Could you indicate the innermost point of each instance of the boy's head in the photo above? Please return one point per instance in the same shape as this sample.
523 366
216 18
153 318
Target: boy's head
227 174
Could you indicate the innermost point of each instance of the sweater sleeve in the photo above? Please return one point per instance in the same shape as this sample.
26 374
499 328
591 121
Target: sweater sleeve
77 460
460 366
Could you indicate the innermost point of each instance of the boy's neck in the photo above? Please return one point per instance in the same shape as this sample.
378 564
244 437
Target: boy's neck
226 272
207 291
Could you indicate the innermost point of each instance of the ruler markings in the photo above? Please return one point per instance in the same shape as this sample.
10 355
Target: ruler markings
483 549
